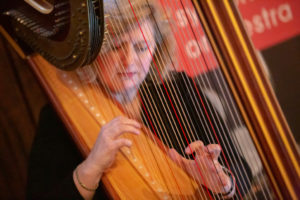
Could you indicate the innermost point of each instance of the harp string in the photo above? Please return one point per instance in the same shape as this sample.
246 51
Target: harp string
136 143
168 95
182 109
236 123
232 106
133 22
181 102
105 58
214 128
184 114
237 115
204 58
139 145
96 87
124 52
167 104
121 46
180 105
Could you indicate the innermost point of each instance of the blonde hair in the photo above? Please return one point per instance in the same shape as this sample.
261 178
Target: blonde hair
119 14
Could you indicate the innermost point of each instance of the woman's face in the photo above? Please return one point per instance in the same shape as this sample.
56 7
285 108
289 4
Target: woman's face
126 64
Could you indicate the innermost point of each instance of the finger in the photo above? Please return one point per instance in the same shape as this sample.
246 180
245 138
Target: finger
126 120
177 158
123 128
214 150
122 142
214 167
194 146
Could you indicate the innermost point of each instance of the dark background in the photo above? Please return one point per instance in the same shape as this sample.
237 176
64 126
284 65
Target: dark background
22 98
283 61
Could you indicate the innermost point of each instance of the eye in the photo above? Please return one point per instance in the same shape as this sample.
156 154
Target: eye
141 47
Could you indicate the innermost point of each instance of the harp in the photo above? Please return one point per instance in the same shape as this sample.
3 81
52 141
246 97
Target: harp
248 94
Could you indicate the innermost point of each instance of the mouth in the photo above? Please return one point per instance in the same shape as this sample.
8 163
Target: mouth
127 75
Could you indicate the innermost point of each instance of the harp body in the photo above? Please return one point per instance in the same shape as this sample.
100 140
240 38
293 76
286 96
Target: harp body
82 118
74 26
252 94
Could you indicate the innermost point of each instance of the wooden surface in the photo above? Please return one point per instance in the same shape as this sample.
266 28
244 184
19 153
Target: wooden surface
21 100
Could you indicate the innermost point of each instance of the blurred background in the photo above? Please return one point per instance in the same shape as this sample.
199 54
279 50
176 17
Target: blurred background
274 27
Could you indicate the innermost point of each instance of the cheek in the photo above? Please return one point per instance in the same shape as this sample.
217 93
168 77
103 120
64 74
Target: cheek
107 67
146 66
148 60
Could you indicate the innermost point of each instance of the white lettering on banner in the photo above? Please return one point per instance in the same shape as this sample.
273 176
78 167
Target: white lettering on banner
192 16
181 19
186 17
268 19
258 24
285 13
192 47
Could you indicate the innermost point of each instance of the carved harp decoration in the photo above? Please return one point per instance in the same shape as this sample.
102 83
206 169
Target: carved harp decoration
67 33
233 102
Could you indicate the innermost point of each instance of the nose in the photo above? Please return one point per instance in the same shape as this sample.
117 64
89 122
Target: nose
129 55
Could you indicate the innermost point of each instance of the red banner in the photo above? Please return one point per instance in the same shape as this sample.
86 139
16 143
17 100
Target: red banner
194 53
268 22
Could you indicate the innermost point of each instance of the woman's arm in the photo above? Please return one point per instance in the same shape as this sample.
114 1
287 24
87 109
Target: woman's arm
88 174
55 161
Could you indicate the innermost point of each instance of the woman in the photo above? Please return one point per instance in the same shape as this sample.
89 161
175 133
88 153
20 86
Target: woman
134 62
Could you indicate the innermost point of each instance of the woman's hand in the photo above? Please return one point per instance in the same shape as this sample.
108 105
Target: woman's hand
205 168
109 142
103 153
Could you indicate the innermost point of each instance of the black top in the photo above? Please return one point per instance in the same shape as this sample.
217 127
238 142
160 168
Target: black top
54 156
